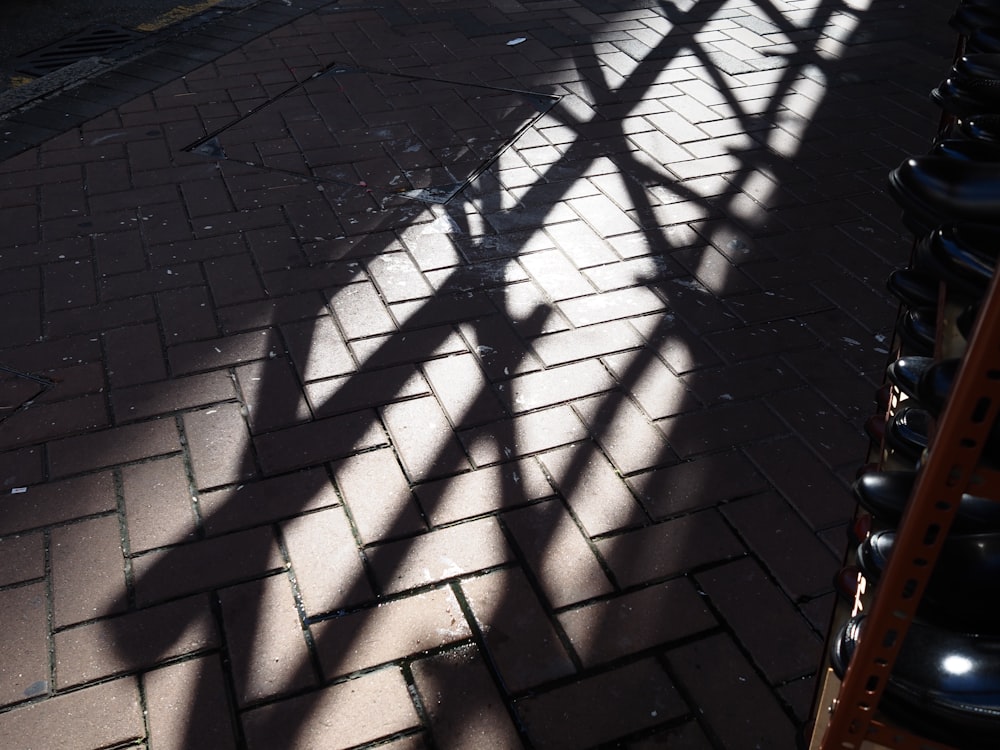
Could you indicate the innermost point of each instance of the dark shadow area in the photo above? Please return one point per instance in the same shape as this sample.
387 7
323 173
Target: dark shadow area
27 25
692 286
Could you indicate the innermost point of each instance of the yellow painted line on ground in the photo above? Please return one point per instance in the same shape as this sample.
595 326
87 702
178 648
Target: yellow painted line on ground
180 13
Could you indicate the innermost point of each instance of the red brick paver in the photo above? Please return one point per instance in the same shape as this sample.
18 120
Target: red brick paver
290 458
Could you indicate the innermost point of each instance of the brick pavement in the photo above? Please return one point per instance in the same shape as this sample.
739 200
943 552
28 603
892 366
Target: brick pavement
308 458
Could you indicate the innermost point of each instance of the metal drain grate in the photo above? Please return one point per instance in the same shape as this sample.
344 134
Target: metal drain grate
93 42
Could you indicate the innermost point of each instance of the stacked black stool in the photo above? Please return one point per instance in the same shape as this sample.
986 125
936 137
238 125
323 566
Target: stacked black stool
945 682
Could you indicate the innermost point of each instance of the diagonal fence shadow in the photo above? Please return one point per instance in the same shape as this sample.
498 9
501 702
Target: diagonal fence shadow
307 679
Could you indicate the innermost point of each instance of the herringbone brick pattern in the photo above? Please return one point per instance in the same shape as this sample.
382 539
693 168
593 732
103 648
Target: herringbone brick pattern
303 461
